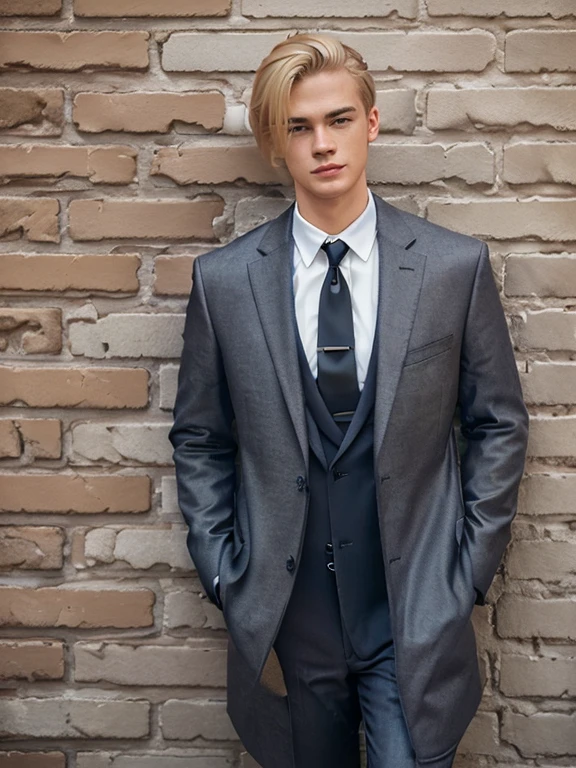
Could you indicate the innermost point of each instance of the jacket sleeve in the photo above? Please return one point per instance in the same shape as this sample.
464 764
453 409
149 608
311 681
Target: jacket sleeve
203 441
494 424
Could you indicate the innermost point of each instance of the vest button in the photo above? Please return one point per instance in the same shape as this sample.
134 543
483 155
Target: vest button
300 483
290 564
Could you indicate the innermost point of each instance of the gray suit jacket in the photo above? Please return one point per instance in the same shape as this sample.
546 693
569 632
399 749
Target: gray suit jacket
445 520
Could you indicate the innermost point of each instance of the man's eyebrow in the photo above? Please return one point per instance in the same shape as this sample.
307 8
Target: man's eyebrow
329 115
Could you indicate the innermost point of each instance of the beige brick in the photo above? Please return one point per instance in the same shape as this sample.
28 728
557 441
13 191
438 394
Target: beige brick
554 619
550 383
473 109
544 733
76 607
32 760
100 165
426 163
202 664
529 676
54 718
36 219
147 112
509 219
196 719
31 112
31 547
251 212
541 275
532 162
168 386
553 329
482 737
31 331
31 660
121 443
130 8
215 164
548 494
188 610
552 436
36 438
170 508
84 494
73 51
397 110
191 758
173 275
530 50
544 560
128 335
30 8
407 9
116 273
141 548
409 52
165 219
511 8
74 387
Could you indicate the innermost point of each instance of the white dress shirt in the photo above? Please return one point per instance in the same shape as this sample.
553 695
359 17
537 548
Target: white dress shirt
360 269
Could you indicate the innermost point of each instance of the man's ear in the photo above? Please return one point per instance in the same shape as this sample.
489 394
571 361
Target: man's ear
373 123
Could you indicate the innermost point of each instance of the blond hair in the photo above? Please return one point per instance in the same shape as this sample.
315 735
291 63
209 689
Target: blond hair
287 63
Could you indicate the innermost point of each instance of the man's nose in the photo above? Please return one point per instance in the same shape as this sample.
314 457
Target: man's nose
323 141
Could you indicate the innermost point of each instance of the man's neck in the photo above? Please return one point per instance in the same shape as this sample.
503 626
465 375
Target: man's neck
332 215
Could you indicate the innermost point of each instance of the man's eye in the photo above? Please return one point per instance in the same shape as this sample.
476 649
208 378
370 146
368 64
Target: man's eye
296 128
341 120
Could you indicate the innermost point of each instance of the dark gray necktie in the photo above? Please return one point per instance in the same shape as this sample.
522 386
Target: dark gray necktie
337 378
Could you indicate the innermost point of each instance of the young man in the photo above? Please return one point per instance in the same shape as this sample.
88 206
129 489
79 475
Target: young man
330 514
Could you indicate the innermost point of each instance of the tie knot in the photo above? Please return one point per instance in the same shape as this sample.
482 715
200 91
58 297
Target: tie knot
335 251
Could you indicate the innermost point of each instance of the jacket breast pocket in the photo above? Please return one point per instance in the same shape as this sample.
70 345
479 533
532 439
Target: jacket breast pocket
427 351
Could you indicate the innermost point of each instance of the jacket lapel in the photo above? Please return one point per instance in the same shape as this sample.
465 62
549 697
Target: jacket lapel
271 281
400 280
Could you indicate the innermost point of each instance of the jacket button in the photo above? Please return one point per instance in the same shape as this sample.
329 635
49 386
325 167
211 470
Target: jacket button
300 483
290 564
329 548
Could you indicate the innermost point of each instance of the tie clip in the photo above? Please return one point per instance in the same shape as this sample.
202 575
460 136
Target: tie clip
333 349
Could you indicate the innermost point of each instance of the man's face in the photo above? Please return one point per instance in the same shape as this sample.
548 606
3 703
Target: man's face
329 133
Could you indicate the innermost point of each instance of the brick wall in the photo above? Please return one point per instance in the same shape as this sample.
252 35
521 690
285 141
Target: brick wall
124 155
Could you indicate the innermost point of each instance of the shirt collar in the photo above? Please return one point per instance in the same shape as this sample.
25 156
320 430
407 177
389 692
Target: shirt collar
359 236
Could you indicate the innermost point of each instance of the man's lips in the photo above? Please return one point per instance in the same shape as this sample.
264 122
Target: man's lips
328 170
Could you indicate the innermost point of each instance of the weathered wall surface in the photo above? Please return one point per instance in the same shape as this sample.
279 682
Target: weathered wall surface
124 154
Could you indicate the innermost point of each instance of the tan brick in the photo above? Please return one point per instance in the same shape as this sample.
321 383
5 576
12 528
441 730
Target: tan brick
74 387
30 8
147 112
544 560
32 760
54 718
31 331
196 719
31 547
482 737
173 275
188 610
76 607
530 50
100 165
552 436
529 676
553 329
548 494
397 110
85 494
36 219
168 8
426 163
532 162
407 9
115 273
550 383
215 164
31 660
129 335
10 443
31 112
165 219
409 52
73 51
522 617
544 733
40 438
509 219
202 664
512 8
472 109
541 275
